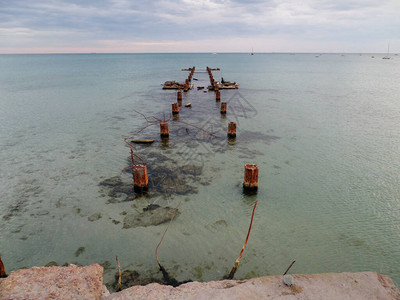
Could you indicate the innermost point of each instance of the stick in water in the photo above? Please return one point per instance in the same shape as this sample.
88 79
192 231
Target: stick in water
2 270
287 270
244 246
119 272
176 209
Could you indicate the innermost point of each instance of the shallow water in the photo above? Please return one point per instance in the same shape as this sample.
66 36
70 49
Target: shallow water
323 132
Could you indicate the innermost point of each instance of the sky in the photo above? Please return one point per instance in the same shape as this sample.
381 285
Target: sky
122 26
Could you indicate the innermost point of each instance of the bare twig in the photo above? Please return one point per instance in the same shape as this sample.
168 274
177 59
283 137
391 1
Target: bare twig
151 124
244 246
133 155
196 127
287 270
176 209
119 272
144 116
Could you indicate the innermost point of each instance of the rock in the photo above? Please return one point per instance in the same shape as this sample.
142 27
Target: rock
113 181
151 207
51 264
43 213
131 278
217 225
79 251
154 216
94 217
106 265
333 286
54 283
174 185
192 170
288 279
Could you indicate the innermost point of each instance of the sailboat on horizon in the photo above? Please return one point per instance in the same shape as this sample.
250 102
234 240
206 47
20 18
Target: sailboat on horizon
252 51
387 55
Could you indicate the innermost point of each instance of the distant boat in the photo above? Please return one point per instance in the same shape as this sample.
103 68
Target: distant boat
214 53
387 56
252 51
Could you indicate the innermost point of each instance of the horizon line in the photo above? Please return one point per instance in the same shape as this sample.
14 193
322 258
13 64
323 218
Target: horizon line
206 52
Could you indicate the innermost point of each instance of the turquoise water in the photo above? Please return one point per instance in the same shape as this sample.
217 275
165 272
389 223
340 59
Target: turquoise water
323 131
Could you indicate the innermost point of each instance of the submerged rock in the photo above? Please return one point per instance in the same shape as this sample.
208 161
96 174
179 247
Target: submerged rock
191 169
151 216
151 207
113 181
79 251
95 217
51 264
131 278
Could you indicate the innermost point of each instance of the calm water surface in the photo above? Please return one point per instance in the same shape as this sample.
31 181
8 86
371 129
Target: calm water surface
323 131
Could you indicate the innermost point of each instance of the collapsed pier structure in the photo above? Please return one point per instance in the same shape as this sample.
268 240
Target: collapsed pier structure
187 85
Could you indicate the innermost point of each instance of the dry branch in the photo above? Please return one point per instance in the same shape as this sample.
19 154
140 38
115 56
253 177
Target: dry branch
287 270
176 209
2 269
197 127
168 280
232 273
119 275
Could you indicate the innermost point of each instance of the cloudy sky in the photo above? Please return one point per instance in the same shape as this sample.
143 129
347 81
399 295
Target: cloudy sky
60 26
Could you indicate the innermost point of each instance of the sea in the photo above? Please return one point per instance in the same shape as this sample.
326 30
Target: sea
322 129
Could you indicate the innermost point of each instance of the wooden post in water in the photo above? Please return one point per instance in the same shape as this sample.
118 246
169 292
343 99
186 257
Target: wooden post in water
218 96
179 98
232 129
223 107
140 179
164 130
175 108
250 177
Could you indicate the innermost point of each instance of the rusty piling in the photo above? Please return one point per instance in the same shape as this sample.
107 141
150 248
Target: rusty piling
164 130
223 107
232 129
218 96
175 108
140 178
250 178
